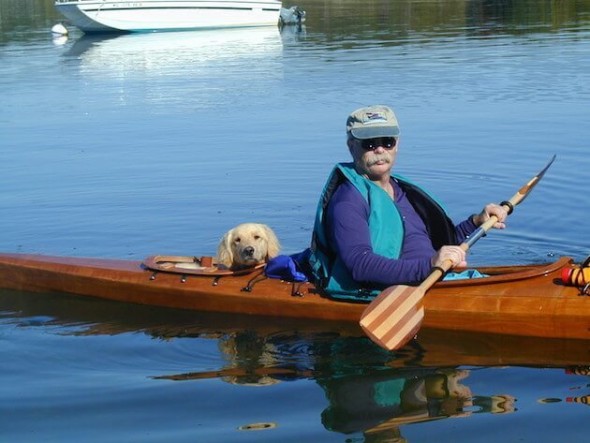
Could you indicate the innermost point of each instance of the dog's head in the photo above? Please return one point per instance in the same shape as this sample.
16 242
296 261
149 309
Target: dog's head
248 244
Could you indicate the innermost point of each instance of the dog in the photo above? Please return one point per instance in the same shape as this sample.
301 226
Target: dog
247 245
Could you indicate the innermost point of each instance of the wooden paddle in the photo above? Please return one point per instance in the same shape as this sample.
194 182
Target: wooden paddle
395 315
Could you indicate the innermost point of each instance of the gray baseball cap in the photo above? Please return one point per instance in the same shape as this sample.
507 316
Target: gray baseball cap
372 122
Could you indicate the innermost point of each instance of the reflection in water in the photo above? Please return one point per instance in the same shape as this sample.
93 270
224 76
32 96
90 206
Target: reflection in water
378 403
367 389
169 52
583 399
195 68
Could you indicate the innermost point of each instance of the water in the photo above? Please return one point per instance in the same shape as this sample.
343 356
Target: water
156 144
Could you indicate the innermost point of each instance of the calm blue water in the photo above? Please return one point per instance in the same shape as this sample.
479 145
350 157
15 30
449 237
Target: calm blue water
156 144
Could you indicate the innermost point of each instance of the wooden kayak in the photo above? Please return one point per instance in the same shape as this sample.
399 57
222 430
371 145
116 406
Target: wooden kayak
527 300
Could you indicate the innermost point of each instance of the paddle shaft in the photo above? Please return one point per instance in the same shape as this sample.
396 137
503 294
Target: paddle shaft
482 230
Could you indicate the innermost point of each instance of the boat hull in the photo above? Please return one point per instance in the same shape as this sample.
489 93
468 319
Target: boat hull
522 300
93 16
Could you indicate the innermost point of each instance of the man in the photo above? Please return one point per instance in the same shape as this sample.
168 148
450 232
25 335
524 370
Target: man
374 229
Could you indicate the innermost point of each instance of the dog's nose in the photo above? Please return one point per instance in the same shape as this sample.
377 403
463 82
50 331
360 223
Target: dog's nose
249 251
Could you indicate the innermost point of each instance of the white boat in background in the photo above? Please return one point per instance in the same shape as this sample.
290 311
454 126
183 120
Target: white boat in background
167 15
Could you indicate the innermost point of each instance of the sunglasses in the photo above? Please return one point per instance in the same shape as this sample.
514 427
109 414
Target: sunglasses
371 144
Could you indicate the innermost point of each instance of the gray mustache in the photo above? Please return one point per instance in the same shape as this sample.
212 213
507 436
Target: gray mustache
378 159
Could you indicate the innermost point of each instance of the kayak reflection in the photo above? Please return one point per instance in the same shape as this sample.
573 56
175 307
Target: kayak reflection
364 386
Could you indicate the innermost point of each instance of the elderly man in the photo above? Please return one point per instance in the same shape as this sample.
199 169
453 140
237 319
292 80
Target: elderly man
374 229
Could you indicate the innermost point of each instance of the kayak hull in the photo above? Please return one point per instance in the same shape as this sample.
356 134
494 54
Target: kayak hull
515 300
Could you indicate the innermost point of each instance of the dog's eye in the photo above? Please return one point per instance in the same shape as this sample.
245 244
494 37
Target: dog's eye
256 237
237 240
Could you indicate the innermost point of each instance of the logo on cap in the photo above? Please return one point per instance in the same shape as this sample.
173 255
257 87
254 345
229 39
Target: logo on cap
375 117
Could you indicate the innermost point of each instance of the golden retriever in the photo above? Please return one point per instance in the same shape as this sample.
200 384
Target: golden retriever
247 245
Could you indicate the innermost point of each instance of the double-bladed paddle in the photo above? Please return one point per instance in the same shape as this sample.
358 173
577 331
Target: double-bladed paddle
395 315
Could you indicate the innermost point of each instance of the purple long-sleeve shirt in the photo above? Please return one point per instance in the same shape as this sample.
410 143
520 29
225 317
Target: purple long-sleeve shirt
348 233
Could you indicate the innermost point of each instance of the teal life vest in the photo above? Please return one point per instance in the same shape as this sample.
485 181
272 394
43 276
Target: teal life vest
385 226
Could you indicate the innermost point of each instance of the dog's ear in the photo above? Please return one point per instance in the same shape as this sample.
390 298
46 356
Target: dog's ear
274 246
225 255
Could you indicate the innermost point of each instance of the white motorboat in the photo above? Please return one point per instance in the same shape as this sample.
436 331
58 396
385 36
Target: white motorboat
167 15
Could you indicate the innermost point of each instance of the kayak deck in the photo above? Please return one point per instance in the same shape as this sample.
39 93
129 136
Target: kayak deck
513 300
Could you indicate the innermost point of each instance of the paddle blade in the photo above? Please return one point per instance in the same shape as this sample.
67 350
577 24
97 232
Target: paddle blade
395 316
526 189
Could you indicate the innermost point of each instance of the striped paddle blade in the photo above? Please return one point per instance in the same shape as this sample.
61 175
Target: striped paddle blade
395 316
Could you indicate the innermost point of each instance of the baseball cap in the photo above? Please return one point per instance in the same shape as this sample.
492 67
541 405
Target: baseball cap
372 122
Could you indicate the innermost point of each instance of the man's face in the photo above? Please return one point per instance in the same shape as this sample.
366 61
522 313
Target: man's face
373 157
